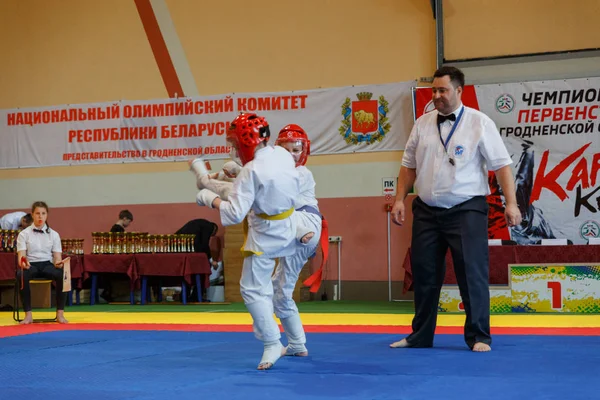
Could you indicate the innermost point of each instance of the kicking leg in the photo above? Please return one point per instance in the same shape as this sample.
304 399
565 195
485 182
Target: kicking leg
306 238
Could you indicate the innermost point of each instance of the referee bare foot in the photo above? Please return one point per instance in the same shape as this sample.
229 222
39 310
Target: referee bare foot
60 317
28 319
400 344
481 347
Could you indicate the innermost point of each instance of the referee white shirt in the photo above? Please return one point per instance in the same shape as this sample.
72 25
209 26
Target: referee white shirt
39 245
475 146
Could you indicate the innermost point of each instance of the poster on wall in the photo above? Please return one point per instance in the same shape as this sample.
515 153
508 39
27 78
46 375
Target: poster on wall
552 132
337 120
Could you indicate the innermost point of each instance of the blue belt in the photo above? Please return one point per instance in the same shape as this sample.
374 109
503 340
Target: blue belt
311 210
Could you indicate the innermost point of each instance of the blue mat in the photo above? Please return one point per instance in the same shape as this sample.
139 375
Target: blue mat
89 365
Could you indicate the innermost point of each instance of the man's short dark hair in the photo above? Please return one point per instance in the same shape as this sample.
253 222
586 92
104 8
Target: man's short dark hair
28 219
126 214
456 75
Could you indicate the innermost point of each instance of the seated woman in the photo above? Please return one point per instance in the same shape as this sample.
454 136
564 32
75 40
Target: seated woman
40 256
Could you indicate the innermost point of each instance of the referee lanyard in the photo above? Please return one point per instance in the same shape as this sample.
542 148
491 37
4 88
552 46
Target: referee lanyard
445 144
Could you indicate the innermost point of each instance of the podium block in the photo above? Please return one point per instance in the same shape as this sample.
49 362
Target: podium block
450 301
538 288
554 288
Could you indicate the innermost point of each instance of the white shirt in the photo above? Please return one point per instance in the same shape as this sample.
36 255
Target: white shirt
475 147
12 220
39 246
269 184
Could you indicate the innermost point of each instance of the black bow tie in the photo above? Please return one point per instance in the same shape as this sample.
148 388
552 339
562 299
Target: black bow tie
442 118
38 230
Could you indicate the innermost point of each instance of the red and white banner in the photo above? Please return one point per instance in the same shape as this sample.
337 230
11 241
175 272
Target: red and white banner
552 131
338 120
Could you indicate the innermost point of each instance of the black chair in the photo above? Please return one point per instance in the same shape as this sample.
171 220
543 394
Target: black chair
16 315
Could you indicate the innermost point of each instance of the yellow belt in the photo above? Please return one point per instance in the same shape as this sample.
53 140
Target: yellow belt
280 216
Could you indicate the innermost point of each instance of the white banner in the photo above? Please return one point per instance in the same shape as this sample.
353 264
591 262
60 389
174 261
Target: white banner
552 131
338 120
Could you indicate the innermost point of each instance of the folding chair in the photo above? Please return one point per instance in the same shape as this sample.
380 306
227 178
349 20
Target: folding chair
16 315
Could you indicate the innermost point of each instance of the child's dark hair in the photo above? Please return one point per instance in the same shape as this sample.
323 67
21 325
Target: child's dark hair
126 214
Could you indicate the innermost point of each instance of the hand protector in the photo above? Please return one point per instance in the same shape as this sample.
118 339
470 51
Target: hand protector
198 167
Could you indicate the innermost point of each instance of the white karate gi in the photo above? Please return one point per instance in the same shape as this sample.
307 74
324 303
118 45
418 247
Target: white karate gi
287 272
222 186
269 185
289 268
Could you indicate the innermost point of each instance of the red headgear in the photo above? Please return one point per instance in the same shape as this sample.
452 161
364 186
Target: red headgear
246 132
293 134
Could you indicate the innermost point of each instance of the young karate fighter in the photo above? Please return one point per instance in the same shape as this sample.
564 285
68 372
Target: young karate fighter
295 141
222 182
263 197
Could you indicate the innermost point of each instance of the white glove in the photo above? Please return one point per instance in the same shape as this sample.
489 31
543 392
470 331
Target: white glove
198 167
232 168
205 198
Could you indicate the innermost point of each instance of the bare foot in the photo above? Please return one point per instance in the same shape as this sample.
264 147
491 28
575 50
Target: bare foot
290 352
400 344
301 354
28 319
264 365
60 317
481 347
306 238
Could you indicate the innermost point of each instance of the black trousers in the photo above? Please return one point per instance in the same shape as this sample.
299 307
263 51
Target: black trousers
45 270
463 228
